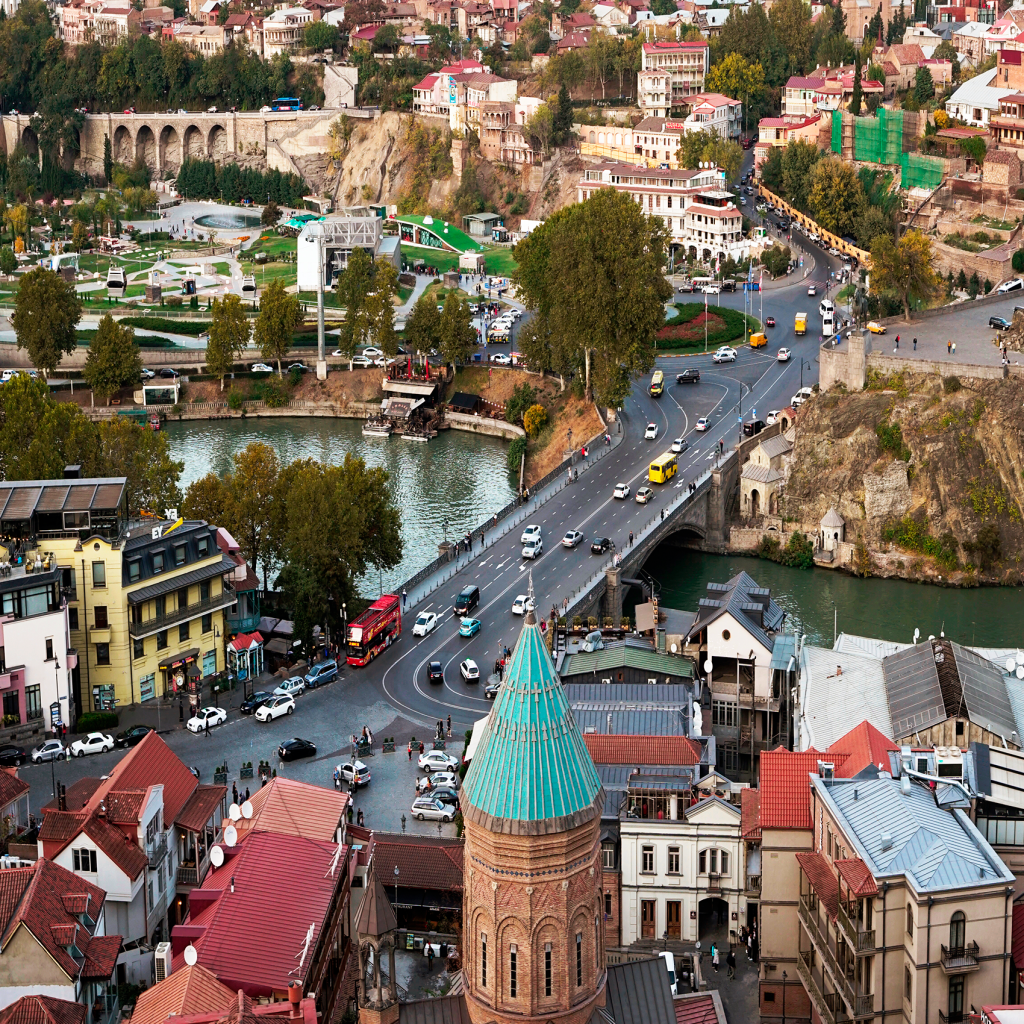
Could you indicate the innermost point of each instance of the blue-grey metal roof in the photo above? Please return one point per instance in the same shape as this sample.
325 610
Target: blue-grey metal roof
984 690
739 597
617 777
935 849
665 695
616 655
784 649
638 992
912 686
603 718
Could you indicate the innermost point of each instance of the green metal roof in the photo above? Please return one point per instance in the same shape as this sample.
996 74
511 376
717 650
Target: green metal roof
625 656
532 774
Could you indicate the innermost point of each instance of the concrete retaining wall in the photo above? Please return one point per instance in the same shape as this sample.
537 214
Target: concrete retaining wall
484 425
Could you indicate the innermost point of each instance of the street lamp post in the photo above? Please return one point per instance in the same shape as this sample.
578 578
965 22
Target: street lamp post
321 351
396 891
784 977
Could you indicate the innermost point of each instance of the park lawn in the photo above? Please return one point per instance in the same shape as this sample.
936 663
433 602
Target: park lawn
500 262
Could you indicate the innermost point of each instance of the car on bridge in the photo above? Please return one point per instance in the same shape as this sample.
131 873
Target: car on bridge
435 672
572 539
470 671
784 355
621 491
680 445
424 624
702 424
469 627
601 545
724 355
651 433
522 604
644 495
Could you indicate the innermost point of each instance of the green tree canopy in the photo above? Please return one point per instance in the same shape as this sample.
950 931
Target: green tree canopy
351 288
229 335
422 326
377 313
903 268
279 316
113 361
836 197
46 313
456 332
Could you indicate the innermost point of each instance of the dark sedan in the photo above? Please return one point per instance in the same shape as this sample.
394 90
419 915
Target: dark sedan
446 796
301 367
690 376
169 373
295 748
600 546
257 700
129 737
435 672
1000 323
13 757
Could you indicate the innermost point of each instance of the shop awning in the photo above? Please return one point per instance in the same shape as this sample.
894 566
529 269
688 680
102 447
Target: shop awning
179 659
276 646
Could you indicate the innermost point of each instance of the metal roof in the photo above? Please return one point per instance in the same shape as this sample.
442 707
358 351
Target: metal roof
532 774
19 499
853 644
730 597
616 777
664 695
784 649
638 992
627 656
185 579
912 683
601 718
984 689
899 833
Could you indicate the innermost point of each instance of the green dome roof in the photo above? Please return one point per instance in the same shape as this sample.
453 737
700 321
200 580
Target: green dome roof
533 774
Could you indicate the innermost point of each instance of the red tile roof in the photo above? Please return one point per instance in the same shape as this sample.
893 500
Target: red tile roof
906 53
11 787
125 854
423 861
101 956
641 750
244 641
200 806
252 938
863 745
60 826
77 795
43 1010
191 990
823 882
750 822
124 806
427 83
295 809
854 872
785 789
696 1011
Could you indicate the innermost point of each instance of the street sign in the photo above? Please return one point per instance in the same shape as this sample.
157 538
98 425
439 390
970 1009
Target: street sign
55 713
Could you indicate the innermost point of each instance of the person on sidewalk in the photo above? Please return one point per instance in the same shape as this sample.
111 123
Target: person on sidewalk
730 959
714 958
449 727
404 596
630 538
915 344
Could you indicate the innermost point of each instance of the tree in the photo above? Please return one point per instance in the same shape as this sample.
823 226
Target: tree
229 335
210 498
775 260
279 316
108 160
660 7
271 212
377 314
79 236
791 22
8 261
707 146
130 450
836 197
456 332
946 51
540 128
563 117
16 219
351 289
46 313
773 171
903 268
422 326
798 161
873 222
594 274
535 419
319 35
876 73
924 86
858 91
113 360
738 77
834 50
254 492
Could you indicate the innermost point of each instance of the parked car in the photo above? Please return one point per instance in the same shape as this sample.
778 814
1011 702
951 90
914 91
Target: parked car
94 743
1000 323
470 671
621 491
446 796
354 772
651 433
784 355
322 672
426 783
469 627
753 427
530 533
359 361
435 672
275 708
501 359
125 738
688 376
467 600
51 750
169 373
533 548
290 687
772 418
874 327
600 546
301 367
293 749
206 716
430 807
522 604
424 624
147 374
437 761
261 368
724 355
14 757
702 424
258 699
644 495
572 539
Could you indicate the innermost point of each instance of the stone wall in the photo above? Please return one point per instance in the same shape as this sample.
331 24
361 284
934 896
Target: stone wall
484 425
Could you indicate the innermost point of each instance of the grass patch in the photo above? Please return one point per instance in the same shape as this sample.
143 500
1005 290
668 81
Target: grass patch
84 338
685 331
193 328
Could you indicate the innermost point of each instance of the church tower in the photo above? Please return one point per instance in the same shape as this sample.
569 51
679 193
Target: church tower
533 941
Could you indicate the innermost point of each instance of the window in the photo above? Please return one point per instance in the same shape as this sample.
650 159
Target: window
956 997
73 618
33 705
179 554
99 574
608 856
647 860
204 590
579 959
724 712
483 960
134 571
607 904
103 654
182 598
958 931
203 546
908 984
138 648
49 648
673 860
100 611
160 606
84 860
910 920
183 632
725 634
161 640
158 562
724 858
547 968
828 840
513 981
728 759
207 624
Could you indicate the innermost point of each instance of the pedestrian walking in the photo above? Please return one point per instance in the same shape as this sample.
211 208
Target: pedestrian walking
410 750
663 515
948 346
915 344
750 945
404 596
207 728
449 727
337 779
897 341
730 959
954 348
359 822
630 538
430 957
421 746
714 958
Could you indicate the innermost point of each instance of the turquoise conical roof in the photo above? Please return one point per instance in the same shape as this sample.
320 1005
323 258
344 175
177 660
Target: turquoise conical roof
533 774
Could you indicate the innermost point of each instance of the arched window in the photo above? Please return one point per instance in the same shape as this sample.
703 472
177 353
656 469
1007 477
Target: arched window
591 136
958 930
910 920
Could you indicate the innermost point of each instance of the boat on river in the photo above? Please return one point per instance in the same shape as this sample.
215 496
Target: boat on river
378 426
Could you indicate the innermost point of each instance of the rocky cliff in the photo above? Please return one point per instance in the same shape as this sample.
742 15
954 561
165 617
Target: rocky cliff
928 474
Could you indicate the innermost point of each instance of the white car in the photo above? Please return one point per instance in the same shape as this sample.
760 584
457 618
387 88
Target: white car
470 671
533 548
644 495
784 355
260 368
702 424
362 362
427 807
1010 286
679 444
572 539
449 780
275 709
772 418
522 604
437 761
501 359
811 290
651 433
424 624
290 687
800 397
372 353
724 355
621 491
355 772
381 361
94 743
833 251
711 289
213 716
530 533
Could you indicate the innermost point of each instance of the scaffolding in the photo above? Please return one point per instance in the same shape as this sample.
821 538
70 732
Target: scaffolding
837 132
921 171
866 135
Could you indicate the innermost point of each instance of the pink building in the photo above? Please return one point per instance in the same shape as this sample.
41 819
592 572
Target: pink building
779 132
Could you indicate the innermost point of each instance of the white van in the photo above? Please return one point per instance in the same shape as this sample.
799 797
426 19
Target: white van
826 308
828 326
670 964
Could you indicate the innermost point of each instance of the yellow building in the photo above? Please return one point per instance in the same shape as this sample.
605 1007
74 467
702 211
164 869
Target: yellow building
147 600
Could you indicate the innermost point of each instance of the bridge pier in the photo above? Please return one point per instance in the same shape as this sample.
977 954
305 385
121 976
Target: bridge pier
611 602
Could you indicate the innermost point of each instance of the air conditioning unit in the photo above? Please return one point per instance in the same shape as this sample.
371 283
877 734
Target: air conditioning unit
163 961
607 682
652 682
826 770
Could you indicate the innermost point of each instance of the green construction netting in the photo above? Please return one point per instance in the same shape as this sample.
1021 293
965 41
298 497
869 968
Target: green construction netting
867 140
920 171
890 124
837 131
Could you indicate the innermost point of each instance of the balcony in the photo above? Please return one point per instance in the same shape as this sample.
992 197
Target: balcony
803 968
954 1017
191 874
863 941
960 959
753 884
243 623
861 1004
192 611
714 882
157 850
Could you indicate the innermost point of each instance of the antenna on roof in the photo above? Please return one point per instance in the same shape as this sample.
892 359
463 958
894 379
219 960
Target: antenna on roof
234 813
334 861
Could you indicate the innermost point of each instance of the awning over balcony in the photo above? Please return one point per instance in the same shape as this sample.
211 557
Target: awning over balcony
823 883
854 872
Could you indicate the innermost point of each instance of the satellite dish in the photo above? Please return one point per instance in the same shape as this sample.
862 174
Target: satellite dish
247 809
1011 664
673 648
191 955
234 813
1020 672
1020 657
708 666
217 856
230 835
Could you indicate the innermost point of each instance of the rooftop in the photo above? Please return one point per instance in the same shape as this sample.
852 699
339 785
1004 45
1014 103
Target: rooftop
293 808
785 787
423 862
642 750
750 605
43 1010
187 991
627 655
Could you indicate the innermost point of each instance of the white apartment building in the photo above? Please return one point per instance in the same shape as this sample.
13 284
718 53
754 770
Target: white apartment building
205 39
669 73
712 110
283 30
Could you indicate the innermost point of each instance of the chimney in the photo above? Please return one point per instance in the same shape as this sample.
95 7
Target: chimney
72 472
62 800
295 998
232 883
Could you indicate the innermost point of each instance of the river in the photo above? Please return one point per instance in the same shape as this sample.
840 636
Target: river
457 476
885 609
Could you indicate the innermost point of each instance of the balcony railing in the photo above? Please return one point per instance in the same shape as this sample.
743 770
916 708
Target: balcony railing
192 874
803 968
157 850
955 1017
192 611
862 1004
863 940
714 882
957 959
753 883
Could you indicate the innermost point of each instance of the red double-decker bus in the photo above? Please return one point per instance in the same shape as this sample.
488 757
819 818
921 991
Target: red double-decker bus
375 630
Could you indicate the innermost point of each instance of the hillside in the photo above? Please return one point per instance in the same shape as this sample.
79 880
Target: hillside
928 474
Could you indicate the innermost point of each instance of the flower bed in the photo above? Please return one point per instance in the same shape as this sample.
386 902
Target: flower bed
687 329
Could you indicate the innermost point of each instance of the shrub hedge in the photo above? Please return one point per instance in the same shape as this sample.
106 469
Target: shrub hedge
93 721
160 323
